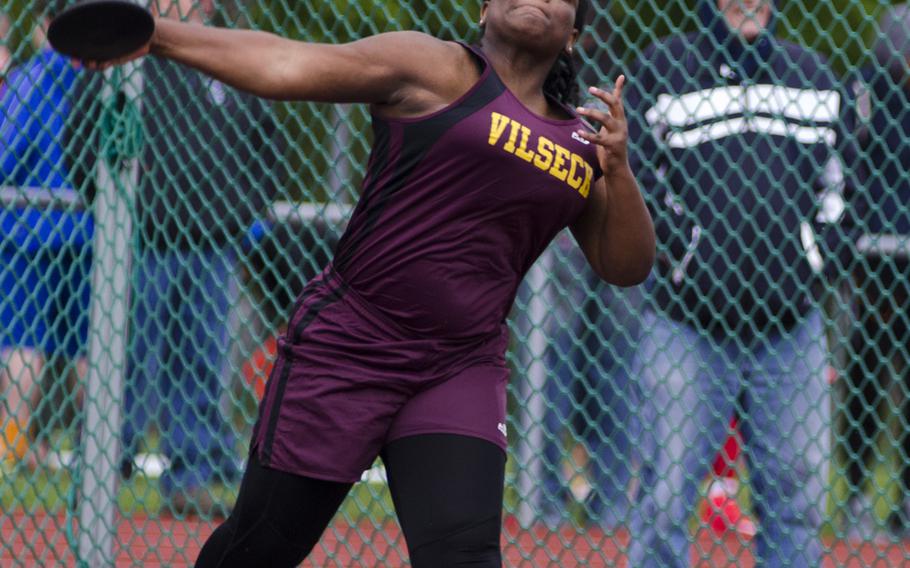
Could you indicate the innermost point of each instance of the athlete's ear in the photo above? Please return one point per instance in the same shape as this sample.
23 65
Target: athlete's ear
483 12
573 39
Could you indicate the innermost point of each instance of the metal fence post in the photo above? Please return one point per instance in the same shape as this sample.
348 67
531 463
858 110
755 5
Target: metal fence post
107 344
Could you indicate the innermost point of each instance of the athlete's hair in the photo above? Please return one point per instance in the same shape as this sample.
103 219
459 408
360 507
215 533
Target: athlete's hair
562 82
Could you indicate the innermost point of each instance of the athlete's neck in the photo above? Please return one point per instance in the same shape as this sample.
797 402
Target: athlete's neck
523 73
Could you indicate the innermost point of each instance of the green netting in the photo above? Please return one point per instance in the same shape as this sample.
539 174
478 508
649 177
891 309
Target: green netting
138 330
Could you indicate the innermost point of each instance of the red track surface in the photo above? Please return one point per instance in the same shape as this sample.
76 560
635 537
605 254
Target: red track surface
39 540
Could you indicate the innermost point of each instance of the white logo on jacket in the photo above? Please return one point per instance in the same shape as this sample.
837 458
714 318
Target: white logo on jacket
714 113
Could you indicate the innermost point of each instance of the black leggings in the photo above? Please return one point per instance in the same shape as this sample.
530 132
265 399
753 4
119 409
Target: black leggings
447 491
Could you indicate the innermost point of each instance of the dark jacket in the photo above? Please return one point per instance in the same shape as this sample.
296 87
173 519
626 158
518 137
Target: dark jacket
883 102
738 150
209 165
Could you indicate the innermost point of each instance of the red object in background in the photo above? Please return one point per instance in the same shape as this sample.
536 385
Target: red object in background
722 512
258 367
725 462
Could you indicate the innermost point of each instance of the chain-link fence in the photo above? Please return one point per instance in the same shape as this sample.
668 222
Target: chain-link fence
748 403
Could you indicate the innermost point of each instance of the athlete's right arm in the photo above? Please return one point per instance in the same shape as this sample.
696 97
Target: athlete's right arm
385 70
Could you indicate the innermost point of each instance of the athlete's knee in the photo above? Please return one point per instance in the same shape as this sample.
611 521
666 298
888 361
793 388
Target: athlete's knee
262 545
285 551
476 546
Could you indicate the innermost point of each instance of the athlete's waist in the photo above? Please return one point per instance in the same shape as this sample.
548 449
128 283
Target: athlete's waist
409 308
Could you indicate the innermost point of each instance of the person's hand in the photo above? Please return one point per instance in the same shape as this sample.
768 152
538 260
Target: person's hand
102 65
613 137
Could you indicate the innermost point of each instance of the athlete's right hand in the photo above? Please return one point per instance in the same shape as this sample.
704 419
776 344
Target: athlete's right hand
613 137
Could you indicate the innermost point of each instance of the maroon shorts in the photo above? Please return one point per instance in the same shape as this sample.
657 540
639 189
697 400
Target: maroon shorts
347 381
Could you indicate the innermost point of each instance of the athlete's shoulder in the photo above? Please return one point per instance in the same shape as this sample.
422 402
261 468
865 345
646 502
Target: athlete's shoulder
408 38
417 57
431 73
416 47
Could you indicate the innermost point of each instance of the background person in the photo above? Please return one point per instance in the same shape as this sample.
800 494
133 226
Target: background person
6 56
43 252
207 172
879 366
590 395
738 138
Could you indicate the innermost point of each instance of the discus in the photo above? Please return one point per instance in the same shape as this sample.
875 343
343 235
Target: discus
101 30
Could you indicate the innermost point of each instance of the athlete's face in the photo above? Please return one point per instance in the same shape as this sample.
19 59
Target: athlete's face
541 24
748 18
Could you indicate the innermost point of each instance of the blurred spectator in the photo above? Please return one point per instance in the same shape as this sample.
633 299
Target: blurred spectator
6 56
737 139
594 331
881 337
45 266
205 175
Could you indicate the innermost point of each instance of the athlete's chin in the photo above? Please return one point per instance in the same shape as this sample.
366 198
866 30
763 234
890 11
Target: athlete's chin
530 12
533 35
530 20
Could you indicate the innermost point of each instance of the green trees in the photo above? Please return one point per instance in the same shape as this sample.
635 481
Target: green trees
841 29
326 146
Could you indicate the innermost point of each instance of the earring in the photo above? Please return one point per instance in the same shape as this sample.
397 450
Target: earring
482 22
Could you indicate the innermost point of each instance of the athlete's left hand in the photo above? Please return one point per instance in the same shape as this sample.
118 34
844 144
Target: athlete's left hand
613 136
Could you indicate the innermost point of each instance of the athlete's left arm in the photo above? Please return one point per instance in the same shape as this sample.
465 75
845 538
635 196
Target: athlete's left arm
615 230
